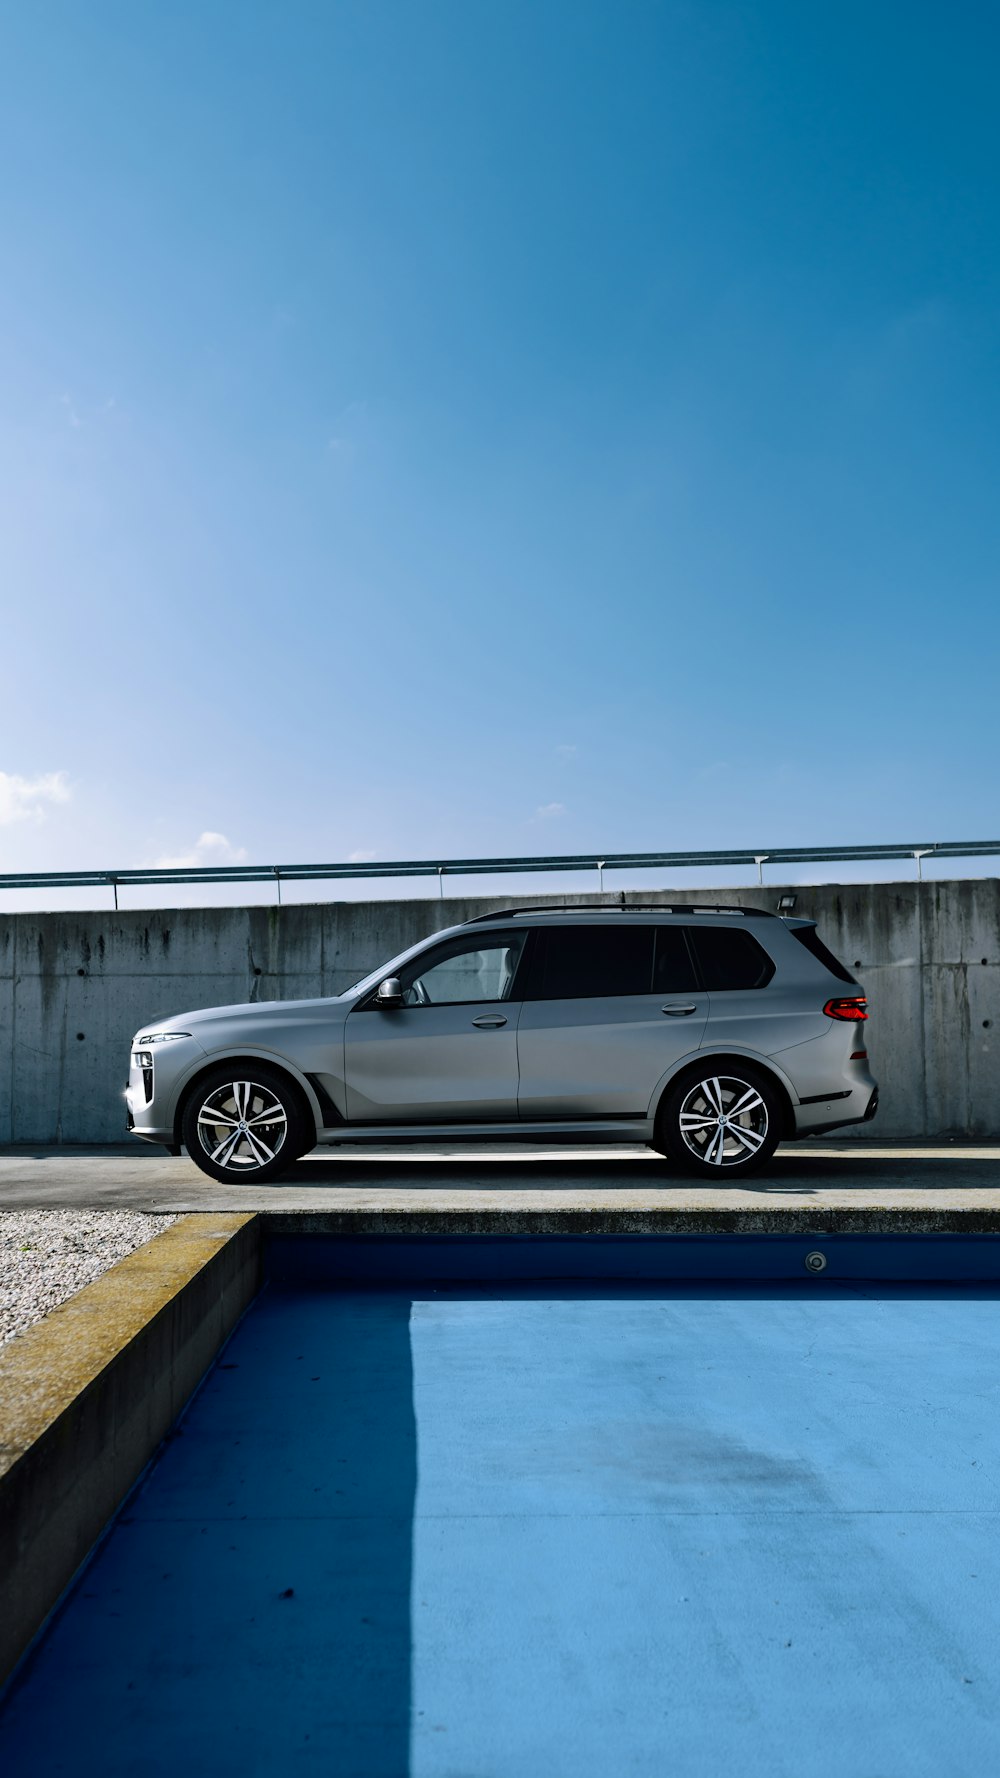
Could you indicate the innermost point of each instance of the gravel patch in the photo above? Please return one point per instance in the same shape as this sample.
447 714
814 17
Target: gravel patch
46 1256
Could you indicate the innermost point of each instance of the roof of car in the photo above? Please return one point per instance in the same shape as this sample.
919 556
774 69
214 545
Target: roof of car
571 910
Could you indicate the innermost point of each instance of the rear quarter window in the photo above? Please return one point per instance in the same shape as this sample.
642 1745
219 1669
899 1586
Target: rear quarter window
810 938
730 958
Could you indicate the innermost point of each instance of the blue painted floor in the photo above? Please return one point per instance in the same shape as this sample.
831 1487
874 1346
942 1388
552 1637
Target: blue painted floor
493 1532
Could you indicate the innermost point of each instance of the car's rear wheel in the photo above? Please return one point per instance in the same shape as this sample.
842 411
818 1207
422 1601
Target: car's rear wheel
245 1123
721 1122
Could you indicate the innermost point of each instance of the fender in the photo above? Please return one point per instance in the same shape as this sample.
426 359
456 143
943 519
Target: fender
700 1056
219 1057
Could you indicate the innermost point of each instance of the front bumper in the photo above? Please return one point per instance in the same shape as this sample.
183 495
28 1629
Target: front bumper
151 1094
147 1130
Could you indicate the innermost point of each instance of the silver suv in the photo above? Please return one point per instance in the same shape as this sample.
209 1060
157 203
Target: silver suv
710 1033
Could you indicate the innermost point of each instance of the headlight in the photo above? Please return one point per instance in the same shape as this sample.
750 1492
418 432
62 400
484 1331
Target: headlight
142 1057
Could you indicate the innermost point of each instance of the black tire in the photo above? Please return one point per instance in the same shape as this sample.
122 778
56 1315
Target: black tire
690 1127
239 1098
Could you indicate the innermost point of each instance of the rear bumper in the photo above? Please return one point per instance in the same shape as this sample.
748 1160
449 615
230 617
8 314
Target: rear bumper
857 1105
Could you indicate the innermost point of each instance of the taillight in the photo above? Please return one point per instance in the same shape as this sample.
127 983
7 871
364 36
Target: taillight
854 1006
859 1056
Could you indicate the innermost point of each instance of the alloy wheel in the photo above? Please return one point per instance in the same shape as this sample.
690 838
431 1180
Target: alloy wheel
723 1121
242 1126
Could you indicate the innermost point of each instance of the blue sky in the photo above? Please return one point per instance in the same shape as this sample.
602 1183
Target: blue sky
467 428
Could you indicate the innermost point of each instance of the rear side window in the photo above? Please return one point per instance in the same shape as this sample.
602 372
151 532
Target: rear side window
808 936
673 969
729 958
584 962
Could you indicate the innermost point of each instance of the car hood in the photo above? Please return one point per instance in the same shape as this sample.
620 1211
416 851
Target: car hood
245 1012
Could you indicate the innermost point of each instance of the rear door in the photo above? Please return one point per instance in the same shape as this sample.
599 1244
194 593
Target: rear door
608 1009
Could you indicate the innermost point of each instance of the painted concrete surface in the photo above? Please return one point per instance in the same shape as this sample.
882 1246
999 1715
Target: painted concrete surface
75 987
554 1530
489 1181
87 1395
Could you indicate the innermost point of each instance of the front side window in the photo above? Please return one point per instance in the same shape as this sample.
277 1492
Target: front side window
464 971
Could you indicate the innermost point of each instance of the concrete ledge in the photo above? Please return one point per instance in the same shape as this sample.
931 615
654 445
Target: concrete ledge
88 1394
756 1218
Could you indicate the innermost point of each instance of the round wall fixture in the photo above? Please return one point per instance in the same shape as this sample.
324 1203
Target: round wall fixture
815 1262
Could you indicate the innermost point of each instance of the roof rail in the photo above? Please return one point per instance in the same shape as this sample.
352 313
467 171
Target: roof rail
617 907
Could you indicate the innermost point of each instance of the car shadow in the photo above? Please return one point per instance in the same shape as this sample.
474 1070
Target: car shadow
792 1171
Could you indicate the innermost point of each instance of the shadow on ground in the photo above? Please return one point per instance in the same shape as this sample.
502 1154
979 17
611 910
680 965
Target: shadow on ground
250 1611
795 1171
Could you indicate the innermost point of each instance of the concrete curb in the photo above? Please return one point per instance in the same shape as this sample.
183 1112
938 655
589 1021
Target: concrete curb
617 1219
87 1395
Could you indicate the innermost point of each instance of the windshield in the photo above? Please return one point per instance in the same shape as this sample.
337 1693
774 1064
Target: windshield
367 982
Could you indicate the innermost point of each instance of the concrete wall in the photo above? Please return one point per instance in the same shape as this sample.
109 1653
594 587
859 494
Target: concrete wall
74 988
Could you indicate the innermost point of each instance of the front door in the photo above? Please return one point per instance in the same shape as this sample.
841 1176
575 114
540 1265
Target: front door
608 1011
449 1053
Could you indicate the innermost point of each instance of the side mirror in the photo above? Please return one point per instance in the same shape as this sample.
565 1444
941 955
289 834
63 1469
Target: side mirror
389 994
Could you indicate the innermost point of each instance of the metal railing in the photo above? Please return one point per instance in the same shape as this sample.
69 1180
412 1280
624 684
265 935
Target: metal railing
494 867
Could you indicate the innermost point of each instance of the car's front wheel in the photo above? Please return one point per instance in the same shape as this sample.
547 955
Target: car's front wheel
720 1123
245 1123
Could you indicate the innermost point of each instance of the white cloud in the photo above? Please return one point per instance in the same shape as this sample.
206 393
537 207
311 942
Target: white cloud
25 799
361 857
549 812
209 848
567 750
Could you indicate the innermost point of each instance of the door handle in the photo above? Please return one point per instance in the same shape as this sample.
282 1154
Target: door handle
676 1010
490 1021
